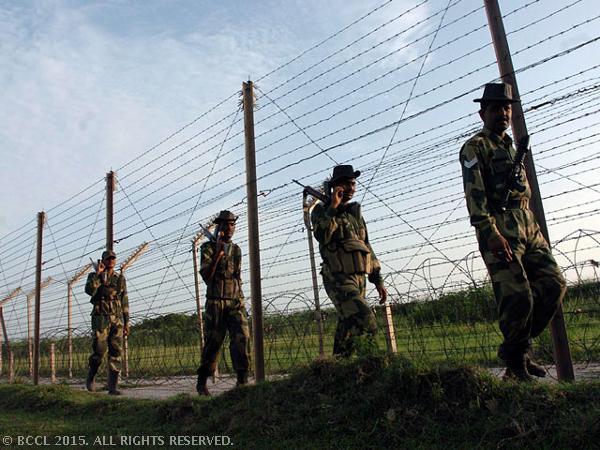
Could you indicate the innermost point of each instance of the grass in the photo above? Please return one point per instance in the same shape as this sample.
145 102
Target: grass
367 402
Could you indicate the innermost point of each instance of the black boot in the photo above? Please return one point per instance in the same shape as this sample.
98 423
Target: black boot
201 384
534 368
242 377
516 368
91 376
113 382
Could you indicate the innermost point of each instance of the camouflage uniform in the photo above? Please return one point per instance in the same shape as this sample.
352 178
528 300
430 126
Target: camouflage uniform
109 316
528 289
224 310
347 258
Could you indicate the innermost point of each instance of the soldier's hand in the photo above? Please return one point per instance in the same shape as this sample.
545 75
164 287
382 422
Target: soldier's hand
500 248
100 267
126 330
382 294
336 196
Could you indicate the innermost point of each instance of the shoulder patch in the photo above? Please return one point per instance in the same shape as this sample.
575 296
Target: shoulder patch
469 164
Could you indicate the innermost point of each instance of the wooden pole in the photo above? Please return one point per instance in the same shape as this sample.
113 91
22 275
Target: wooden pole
253 232
4 333
562 353
69 330
307 208
390 332
30 320
38 297
11 367
195 242
110 189
126 356
52 363
1 336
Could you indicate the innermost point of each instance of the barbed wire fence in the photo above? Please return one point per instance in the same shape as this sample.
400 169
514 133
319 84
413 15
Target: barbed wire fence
396 103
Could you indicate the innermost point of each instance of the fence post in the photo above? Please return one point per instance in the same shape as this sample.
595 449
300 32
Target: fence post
30 335
38 297
253 232
52 363
307 208
29 297
11 367
562 353
110 189
69 330
4 334
390 333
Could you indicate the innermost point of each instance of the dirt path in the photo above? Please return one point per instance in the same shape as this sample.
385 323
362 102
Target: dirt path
162 388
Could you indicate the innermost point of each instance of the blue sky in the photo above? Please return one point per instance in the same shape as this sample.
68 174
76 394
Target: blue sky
90 86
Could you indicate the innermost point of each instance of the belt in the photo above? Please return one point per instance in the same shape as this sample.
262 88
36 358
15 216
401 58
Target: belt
518 203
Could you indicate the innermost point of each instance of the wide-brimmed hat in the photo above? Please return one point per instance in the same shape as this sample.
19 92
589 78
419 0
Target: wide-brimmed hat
225 216
343 171
497 92
108 254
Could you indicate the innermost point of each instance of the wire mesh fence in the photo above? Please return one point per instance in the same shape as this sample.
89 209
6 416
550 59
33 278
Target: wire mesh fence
389 93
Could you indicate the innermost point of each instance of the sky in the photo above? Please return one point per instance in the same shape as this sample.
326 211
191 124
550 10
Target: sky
151 90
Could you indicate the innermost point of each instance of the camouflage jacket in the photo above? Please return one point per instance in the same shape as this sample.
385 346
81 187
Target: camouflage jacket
486 160
110 297
344 241
227 281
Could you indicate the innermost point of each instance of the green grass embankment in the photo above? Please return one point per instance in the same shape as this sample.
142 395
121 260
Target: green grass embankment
372 402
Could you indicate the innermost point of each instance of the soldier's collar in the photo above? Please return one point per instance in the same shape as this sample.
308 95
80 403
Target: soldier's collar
495 138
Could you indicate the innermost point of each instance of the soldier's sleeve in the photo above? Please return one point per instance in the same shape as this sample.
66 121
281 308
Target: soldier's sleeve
477 202
207 252
324 223
92 284
124 299
239 266
375 275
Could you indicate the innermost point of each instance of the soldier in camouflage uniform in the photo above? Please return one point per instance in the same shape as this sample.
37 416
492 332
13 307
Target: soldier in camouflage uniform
220 268
110 319
527 282
347 258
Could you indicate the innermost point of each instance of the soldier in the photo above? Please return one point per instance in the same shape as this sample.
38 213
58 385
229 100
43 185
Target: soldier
347 257
527 282
220 268
110 319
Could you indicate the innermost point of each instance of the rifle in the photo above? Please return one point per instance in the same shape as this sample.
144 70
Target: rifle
323 197
513 181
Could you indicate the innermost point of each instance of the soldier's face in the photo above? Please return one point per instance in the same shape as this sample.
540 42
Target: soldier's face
227 228
496 116
110 262
349 187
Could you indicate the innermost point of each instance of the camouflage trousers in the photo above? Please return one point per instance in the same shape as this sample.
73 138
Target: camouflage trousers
107 335
355 317
224 315
528 289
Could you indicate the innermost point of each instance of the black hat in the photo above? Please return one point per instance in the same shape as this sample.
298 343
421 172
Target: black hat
497 92
108 254
343 171
225 216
